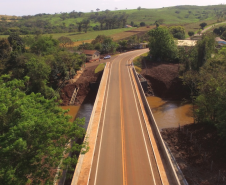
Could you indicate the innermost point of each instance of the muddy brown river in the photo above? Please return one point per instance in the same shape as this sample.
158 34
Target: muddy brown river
166 113
170 113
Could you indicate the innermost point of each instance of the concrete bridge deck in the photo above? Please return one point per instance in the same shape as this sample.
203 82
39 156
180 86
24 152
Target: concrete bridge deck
125 145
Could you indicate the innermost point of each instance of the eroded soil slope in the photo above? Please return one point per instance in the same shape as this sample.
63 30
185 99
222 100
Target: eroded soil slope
86 77
165 81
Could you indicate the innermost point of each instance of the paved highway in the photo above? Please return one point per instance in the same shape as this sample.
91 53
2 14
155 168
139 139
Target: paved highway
123 154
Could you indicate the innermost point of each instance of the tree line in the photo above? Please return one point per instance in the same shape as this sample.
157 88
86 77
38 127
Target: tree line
34 130
202 69
40 24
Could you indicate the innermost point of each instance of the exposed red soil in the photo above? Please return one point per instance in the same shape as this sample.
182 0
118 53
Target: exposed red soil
194 161
195 156
165 81
83 82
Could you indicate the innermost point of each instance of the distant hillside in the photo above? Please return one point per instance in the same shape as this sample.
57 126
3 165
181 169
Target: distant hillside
103 20
8 18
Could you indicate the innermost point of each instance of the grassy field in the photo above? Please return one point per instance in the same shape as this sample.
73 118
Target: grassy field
100 67
79 38
171 15
188 16
75 37
217 26
195 26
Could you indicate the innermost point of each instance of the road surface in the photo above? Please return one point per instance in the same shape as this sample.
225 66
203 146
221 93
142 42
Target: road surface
123 154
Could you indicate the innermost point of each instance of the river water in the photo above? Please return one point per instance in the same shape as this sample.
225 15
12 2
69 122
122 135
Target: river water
166 113
169 114
82 111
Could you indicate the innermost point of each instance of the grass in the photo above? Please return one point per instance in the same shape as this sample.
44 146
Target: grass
195 26
185 14
100 67
188 16
138 60
79 38
217 26
138 69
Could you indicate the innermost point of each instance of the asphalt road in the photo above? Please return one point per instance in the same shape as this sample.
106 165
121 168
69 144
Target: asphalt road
123 154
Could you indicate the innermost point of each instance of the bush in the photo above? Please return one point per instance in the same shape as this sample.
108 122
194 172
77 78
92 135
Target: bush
179 35
191 33
142 24
162 45
223 36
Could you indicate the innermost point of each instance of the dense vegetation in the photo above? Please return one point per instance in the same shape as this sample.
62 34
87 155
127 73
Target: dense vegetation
105 44
202 69
220 31
34 131
33 136
103 20
45 62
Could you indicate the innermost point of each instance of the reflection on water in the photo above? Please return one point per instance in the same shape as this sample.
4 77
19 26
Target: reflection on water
85 111
170 113
82 111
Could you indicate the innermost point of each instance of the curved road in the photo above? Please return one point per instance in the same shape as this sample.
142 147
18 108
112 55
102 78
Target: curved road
123 154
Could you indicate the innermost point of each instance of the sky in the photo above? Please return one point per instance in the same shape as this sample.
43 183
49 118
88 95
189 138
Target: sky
32 7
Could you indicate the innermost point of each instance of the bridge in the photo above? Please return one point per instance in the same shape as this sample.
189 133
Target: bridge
125 145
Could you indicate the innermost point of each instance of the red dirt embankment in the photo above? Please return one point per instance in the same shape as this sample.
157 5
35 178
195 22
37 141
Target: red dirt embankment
197 152
165 81
194 153
86 77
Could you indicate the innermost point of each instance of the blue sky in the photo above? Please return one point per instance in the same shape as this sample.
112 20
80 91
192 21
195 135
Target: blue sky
31 7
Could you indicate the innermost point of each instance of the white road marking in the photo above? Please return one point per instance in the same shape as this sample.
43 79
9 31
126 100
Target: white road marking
102 128
141 127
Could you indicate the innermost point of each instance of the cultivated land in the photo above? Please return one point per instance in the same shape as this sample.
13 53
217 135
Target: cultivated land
171 15
188 16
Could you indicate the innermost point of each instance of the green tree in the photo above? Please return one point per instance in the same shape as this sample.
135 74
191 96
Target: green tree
157 24
79 25
64 41
44 45
34 133
205 48
39 72
191 33
4 49
16 42
123 44
162 45
177 31
223 36
142 24
203 25
109 46
85 23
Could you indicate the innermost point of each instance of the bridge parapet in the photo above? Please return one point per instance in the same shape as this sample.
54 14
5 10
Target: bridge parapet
83 167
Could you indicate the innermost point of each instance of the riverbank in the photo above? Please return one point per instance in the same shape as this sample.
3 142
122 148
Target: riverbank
199 152
165 81
83 83
197 148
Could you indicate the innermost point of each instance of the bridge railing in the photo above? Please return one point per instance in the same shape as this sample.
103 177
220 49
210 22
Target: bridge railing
163 150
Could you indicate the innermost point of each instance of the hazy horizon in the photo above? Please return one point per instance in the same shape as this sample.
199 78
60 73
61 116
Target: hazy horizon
32 7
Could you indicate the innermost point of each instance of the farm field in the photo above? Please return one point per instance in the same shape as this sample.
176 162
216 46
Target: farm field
170 15
116 34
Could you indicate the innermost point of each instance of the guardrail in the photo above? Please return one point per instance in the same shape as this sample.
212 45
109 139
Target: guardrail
161 146
93 118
